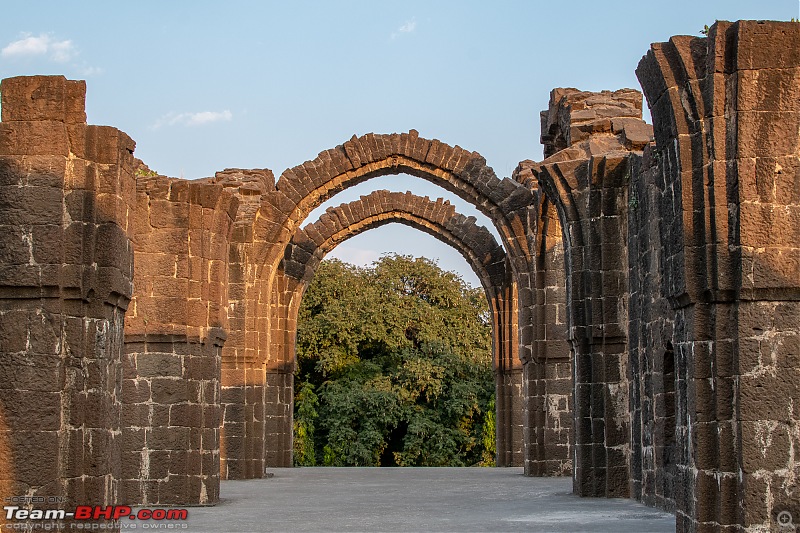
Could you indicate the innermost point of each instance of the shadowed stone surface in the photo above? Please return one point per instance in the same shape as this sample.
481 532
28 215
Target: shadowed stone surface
726 121
418 499
65 188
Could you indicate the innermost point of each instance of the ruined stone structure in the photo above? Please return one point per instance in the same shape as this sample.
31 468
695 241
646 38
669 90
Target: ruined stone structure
67 194
174 332
725 110
645 296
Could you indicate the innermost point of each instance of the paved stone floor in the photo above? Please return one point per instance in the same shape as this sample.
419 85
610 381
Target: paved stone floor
416 499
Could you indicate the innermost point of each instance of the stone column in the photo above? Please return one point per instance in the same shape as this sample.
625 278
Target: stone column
727 137
66 195
548 376
588 139
279 385
173 342
658 430
508 378
243 379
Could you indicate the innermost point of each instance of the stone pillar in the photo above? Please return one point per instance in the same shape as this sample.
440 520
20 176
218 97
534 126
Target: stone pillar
233 379
588 139
510 422
548 392
243 414
66 195
509 398
548 375
171 417
657 430
243 381
243 397
175 331
279 385
727 138
278 419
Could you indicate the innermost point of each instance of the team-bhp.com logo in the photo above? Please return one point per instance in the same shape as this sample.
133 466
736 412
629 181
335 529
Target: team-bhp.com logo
91 514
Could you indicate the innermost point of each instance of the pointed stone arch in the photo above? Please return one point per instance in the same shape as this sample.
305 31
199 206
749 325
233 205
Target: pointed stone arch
269 216
301 189
437 218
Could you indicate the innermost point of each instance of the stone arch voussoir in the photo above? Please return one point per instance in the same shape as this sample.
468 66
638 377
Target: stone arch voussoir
301 189
310 245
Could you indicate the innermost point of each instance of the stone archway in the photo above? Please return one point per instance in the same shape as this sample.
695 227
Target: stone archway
439 219
269 216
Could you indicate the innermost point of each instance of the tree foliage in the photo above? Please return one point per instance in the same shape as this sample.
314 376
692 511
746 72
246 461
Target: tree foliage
394 368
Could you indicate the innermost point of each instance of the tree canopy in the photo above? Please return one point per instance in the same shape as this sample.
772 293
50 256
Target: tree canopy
394 368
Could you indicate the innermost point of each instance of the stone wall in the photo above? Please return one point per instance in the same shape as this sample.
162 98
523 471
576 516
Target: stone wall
725 110
67 196
682 276
174 333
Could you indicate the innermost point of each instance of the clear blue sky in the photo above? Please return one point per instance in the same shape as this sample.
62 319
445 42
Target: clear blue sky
202 86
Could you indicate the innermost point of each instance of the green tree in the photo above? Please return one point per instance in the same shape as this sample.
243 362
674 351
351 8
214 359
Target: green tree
489 436
398 360
305 404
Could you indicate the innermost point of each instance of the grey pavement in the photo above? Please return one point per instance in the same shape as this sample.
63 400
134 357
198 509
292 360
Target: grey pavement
415 499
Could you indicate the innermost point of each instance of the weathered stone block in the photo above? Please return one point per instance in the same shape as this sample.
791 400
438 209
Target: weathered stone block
40 98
